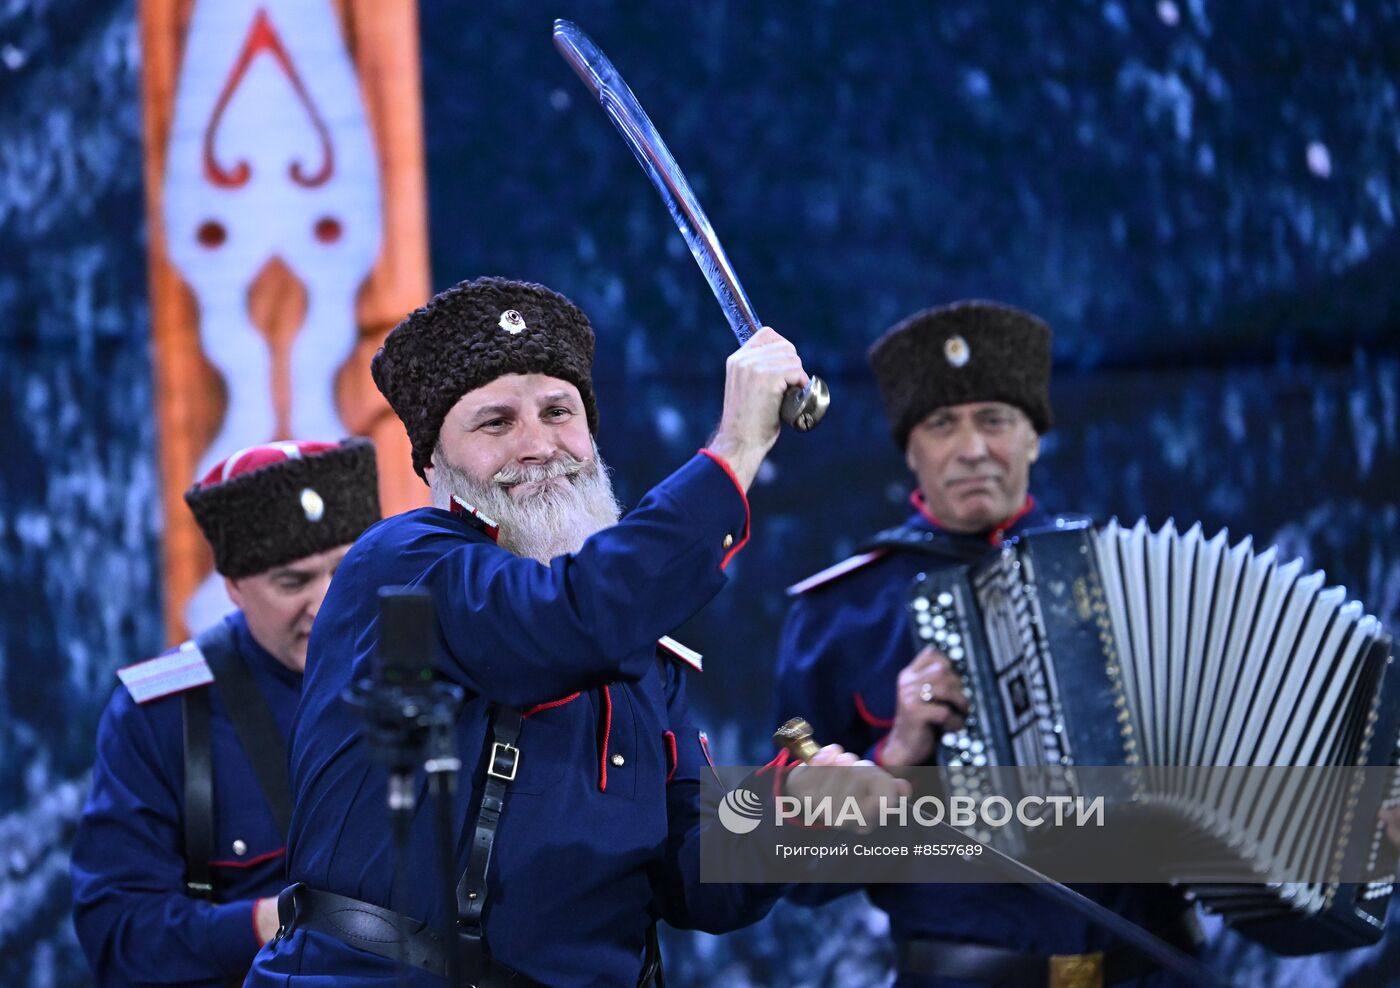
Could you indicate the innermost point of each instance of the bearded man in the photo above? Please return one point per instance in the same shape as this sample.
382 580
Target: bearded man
581 764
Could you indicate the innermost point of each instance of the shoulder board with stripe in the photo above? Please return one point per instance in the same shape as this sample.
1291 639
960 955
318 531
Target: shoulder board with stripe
671 648
165 675
832 573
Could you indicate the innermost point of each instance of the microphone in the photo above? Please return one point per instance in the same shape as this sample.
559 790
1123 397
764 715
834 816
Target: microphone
403 706
408 716
407 643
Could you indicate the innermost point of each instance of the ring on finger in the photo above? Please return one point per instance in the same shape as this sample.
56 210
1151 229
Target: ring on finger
926 692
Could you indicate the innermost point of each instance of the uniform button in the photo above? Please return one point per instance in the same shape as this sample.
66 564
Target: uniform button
728 541
240 848
619 761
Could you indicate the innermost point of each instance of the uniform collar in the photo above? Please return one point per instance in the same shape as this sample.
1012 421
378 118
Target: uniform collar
1028 515
262 662
474 517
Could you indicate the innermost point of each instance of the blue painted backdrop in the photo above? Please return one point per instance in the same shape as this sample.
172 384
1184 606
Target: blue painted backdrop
1197 196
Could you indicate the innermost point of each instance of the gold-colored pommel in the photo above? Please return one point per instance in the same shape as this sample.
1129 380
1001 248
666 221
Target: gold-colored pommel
796 737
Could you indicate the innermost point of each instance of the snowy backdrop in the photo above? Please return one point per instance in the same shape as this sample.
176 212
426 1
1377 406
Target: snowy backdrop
1199 197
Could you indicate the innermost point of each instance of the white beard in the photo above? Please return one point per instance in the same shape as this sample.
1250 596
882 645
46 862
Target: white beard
552 520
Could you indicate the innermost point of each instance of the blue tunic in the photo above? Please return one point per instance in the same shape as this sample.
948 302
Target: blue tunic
844 642
134 919
600 828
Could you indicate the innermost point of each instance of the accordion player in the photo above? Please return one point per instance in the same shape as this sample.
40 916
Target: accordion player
1121 646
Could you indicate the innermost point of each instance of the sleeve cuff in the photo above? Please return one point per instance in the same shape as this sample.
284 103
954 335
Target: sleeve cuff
779 768
233 937
735 543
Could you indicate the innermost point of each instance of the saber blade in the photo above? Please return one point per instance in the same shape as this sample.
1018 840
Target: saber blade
802 408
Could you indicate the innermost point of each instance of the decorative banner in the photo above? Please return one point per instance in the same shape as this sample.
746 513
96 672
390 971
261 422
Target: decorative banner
288 234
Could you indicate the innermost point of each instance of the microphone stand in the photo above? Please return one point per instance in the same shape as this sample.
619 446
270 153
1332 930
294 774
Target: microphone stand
408 727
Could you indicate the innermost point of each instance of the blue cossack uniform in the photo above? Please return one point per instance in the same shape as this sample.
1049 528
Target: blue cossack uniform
143 913
844 643
598 835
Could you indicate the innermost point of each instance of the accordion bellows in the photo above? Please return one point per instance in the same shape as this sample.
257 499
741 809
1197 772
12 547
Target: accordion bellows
1117 646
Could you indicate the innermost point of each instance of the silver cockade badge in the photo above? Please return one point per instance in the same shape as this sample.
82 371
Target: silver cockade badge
512 322
312 505
955 348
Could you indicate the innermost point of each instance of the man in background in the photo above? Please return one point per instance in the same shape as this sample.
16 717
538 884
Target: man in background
179 854
966 390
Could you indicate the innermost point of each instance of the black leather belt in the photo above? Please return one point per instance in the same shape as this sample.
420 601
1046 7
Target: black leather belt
381 932
997 965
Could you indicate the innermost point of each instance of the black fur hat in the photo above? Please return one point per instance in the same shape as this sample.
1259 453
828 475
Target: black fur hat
270 505
963 352
468 336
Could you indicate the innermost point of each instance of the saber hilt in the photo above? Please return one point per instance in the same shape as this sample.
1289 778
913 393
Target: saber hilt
803 408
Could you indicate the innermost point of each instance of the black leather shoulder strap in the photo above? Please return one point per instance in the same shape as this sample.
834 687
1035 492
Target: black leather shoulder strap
502 762
199 793
252 720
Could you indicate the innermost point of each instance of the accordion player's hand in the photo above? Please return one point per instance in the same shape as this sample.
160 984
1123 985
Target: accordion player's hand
1390 816
929 701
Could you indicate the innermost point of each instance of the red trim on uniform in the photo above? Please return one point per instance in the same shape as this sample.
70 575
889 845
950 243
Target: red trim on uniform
551 704
878 755
705 747
916 498
607 733
729 472
869 717
999 533
456 506
994 537
670 737
781 765
251 861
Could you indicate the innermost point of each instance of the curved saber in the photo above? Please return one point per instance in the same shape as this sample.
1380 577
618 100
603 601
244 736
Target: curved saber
802 408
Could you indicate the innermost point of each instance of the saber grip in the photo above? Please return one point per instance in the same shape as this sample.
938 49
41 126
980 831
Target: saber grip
803 408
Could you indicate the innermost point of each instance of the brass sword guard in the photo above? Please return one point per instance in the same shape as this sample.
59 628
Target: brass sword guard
796 737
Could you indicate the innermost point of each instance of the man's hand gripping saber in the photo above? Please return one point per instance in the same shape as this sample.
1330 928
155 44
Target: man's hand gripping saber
802 408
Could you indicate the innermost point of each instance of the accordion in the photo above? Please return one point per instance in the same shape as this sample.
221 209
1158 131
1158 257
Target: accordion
1127 647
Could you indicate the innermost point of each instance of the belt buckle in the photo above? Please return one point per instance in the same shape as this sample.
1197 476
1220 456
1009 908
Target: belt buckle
507 756
1076 970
